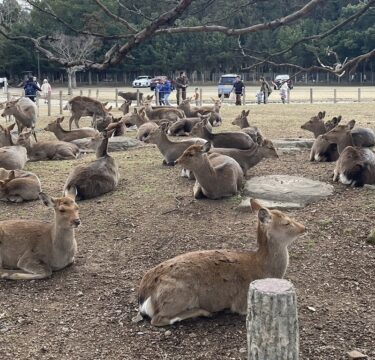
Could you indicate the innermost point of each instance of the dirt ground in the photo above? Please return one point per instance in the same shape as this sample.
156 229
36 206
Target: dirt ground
85 311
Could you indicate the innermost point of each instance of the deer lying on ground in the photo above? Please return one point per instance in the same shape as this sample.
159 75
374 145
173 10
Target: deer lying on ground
31 249
251 157
216 175
17 186
356 165
86 106
65 135
183 127
95 178
12 157
117 127
204 282
170 114
190 111
129 96
48 150
5 135
242 121
169 149
238 140
125 107
24 111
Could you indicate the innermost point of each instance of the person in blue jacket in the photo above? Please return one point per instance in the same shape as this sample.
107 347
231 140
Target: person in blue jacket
167 89
31 88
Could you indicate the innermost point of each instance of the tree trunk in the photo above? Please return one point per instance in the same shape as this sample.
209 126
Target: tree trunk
272 321
69 72
74 80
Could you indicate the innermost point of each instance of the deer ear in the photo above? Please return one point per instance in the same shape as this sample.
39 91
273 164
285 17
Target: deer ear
339 118
47 200
206 147
323 114
320 115
351 124
247 112
110 108
11 175
264 216
71 192
60 120
255 205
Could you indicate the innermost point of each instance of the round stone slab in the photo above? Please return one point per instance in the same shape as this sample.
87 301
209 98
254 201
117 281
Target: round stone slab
288 189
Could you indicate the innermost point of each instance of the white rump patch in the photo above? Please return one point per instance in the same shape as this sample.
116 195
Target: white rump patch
345 180
146 308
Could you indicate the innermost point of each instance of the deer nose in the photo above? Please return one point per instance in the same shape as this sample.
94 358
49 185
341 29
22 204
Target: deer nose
77 222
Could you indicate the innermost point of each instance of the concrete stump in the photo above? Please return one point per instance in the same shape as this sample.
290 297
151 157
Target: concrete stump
272 321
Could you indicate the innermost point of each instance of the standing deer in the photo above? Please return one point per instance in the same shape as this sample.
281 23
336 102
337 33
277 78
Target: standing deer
86 106
17 186
242 121
65 135
356 165
95 178
129 96
31 249
48 150
216 175
231 139
201 283
24 111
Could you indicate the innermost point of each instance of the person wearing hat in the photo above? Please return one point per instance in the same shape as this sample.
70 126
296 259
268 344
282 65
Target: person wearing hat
46 90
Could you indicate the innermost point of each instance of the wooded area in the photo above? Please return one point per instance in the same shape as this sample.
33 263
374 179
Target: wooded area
206 37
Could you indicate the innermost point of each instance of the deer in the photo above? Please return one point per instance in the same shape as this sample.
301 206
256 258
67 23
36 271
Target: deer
169 149
18 186
48 150
118 127
189 111
32 249
24 111
216 175
356 165
170 114
242 121
183 127
129 96
5 135
64 135
238 140
96 178
125 107
86 106
14 156
202 283
251 157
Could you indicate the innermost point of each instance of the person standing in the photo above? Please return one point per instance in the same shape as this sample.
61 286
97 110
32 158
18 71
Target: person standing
46 90
238 88
167 88
265 88
182 83
31 88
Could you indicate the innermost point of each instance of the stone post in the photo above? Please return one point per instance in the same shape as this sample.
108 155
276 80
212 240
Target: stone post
138 98
272 321
200 97
311 95
97 94
334 96
49 104
116 98
61 101
359 94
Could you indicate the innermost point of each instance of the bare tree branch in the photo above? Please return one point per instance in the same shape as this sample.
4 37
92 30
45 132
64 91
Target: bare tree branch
311 5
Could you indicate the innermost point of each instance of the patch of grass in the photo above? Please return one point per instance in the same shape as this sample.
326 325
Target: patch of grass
371 238
325 222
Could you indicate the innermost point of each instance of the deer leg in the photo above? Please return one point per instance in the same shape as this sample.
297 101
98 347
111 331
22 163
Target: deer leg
94 123
71 121
197 191
64 154
76 119
31 268
34 133
160 320
335 175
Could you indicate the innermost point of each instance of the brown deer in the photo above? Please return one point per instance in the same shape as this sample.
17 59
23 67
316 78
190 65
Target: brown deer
242 121
65 135
5 135
190 111
125 107
231 139
130 96
170 114
18 186
24 111
356 165
31 249
48 150
251 157
216 175
169 149
12 157
183 127
118 127
95 178
86 106
201 283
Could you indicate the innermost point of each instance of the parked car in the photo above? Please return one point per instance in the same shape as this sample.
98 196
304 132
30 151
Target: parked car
225 85
279 79
142 81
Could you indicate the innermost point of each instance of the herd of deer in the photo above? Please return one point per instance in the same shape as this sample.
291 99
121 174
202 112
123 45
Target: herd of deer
193 284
